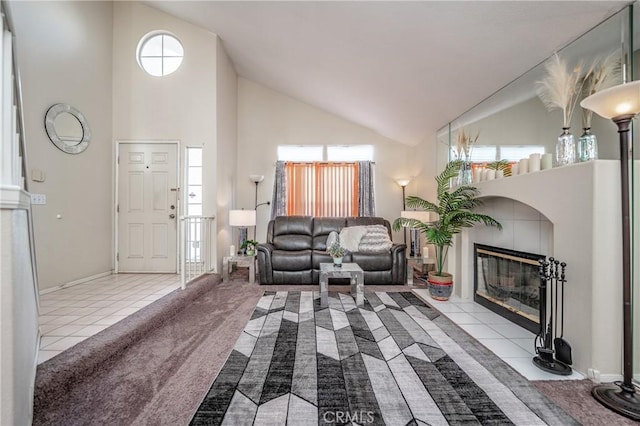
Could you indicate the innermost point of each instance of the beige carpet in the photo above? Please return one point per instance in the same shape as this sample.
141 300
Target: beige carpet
156 366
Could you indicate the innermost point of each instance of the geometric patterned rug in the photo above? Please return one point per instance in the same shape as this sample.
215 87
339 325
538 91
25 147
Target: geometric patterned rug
392 361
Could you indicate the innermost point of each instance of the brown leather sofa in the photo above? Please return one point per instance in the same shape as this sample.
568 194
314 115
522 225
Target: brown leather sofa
296 245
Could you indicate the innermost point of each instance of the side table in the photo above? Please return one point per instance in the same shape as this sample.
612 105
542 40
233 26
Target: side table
244 261
347 270
422 264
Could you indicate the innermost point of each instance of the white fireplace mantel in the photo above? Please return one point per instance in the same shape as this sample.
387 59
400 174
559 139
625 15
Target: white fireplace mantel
582 201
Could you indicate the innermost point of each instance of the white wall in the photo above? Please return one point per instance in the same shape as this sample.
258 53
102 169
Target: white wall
181 106
227 122
64 53
267 119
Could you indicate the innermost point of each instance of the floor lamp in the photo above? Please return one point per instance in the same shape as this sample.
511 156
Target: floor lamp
621 104
403 183
257 179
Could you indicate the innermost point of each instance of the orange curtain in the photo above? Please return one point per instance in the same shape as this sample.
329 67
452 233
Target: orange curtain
322 189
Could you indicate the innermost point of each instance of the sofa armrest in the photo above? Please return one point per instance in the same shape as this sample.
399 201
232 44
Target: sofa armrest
398 254
265 268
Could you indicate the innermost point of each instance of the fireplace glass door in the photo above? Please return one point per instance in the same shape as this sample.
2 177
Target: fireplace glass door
508 283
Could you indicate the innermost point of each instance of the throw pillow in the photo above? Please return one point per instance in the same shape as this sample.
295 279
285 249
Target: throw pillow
332 238
350 237
376 240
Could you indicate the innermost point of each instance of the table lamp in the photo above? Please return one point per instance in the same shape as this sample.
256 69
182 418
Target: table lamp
242 219
422 216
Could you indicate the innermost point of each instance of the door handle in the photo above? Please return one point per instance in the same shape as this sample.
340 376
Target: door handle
172 216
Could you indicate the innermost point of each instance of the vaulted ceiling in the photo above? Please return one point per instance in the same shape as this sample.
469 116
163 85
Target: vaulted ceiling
402 69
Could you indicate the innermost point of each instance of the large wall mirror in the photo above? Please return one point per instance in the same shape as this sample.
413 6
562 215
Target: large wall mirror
67 128
515 116
514 120
635 204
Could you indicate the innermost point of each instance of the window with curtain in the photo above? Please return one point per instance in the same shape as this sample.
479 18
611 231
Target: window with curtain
322 189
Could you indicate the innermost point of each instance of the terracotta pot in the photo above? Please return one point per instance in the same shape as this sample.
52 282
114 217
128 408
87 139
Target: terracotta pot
440 286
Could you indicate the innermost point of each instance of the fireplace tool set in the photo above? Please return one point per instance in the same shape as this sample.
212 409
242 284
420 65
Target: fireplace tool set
554 352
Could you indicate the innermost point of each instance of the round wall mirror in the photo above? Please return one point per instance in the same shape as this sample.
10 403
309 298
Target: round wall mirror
67 128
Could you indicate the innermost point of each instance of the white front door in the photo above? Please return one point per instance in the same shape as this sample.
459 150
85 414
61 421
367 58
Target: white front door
147 207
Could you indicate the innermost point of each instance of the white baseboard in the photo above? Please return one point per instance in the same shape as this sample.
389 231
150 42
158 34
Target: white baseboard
608 378
76 282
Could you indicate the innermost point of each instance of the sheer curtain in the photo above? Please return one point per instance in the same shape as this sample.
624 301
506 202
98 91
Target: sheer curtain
336 189
322 189
366 189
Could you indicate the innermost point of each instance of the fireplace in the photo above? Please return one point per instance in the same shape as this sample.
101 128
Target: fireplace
508 283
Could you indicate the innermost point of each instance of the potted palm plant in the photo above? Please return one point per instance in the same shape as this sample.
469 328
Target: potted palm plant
454 210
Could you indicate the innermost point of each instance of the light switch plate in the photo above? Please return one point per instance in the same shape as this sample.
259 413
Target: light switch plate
37 175
38 199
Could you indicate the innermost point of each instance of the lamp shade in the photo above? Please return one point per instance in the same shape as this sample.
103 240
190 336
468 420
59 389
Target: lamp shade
403 182
615 101
422 216
242 217
256 178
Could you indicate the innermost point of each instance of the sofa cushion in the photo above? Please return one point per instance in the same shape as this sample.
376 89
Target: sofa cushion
292 242
350 237
365 220
291 260
322 227
292 225
373 261
376 240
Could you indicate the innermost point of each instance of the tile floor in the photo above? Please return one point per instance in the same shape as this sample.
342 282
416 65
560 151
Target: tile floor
512 343
72 314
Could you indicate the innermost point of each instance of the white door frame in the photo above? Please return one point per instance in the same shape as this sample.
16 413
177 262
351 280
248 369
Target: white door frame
179 178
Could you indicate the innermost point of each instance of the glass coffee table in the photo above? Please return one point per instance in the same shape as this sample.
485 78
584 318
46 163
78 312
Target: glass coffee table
347 270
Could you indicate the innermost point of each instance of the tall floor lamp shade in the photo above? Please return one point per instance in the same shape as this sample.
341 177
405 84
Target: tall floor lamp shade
242 219
621 104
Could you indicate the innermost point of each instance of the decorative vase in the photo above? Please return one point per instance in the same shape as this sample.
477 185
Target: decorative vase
587 146
565 148
465 175
251 252
440 286
337 262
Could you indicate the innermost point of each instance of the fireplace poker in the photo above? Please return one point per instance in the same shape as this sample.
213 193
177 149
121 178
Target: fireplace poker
563 349
550 275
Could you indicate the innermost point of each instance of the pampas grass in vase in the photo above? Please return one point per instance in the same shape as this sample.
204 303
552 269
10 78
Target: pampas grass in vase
603 73
464 146
560 89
